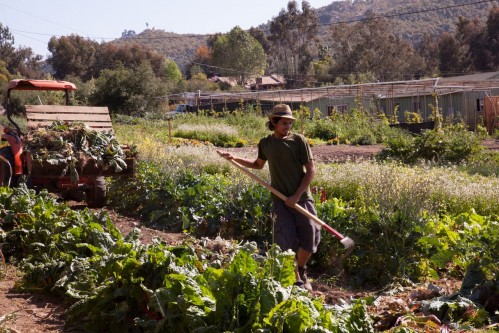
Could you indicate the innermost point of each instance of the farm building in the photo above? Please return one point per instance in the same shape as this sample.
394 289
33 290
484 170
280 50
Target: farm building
471 98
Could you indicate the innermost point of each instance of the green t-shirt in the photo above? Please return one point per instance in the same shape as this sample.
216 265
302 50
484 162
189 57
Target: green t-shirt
287 158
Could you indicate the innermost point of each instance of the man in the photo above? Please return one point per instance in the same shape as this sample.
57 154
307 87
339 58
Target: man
292 169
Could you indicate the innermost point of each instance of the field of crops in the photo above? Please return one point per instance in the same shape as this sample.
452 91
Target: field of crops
416 221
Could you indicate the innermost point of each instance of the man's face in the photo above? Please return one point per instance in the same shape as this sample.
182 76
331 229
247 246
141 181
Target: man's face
283 127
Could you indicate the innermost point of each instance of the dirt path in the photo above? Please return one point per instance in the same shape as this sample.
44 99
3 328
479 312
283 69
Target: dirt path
348 153
29 312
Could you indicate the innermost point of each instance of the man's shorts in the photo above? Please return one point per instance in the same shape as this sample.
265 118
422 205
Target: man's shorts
293 230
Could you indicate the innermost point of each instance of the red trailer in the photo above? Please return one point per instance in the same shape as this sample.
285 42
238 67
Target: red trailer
17 162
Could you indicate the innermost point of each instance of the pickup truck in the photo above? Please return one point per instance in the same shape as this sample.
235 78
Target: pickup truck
17 162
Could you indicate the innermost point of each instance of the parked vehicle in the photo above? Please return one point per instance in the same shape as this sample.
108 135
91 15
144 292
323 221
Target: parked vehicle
180 109
18 163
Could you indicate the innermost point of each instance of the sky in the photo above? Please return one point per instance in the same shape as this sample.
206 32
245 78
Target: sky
34 22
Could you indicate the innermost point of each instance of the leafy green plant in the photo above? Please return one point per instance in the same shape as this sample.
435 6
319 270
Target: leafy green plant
352 128
484 163
117 284
204 204
74 145
453 242
399 147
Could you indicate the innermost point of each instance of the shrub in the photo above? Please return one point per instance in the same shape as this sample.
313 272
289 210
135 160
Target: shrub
323 129
353 128
452 144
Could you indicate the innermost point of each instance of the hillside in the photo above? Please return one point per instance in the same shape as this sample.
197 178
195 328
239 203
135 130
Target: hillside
178 47
410 20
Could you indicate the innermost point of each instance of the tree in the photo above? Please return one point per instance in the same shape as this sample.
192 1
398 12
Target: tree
128 91
25 63
371 47
199 81
450 55
128 34
73 55
21 61
6 44
293 37
428 51
131 55
493 35
202 57
172 72
4 74
239 55
261 37
471 35
173 76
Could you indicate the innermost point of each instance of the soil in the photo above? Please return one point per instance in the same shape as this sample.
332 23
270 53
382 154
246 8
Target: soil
30 312
326 153
348 153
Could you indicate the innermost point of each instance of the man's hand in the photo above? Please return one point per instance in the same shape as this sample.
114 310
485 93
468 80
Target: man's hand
225 155
292 200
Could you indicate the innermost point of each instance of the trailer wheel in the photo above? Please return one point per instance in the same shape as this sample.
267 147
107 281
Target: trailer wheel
96 194
74 194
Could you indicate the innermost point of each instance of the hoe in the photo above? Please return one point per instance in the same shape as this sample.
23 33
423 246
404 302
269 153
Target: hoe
346 241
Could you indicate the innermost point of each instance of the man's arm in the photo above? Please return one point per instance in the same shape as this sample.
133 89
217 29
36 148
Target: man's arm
304 185
258 163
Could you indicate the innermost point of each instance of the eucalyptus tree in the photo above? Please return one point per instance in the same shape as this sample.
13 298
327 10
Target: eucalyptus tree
293 37
493 35
26 63
450 55
428 50
370 46
471 35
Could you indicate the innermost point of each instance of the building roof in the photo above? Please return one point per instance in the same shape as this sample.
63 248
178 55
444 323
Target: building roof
487 76
424 87
381 90
224 79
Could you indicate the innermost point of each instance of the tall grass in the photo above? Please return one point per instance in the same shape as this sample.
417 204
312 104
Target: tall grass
224 129
412 190
389 186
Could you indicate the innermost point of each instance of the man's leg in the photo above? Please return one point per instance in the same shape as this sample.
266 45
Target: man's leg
301 262
309 235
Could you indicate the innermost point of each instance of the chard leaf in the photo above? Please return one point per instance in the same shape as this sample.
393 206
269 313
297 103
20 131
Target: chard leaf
243 264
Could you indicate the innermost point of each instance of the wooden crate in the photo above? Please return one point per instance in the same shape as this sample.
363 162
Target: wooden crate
96 117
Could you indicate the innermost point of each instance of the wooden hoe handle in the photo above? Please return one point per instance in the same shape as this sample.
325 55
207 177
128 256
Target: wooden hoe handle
284 198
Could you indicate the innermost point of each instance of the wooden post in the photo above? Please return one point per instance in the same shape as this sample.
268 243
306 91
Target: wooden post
170 129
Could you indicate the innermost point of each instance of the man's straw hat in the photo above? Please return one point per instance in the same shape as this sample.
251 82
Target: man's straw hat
281 111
